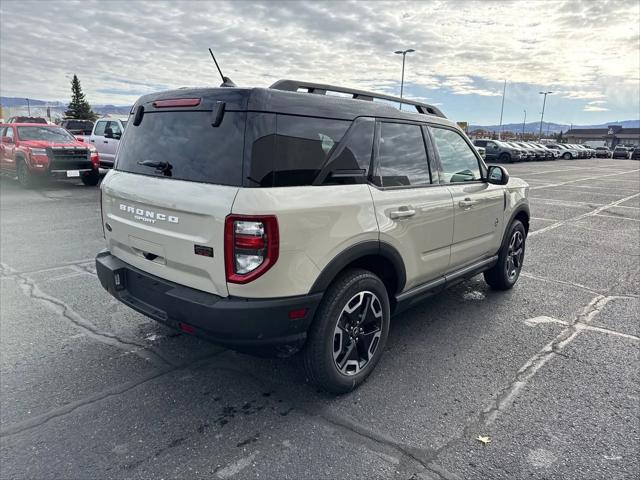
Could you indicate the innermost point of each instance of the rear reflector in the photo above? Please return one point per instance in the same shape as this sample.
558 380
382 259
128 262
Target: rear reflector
297 314
186 328
177 102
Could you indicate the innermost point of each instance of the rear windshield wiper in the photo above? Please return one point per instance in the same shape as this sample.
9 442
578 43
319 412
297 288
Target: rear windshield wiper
164 167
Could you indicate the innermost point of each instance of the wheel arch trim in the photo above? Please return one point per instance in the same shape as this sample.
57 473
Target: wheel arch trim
355 252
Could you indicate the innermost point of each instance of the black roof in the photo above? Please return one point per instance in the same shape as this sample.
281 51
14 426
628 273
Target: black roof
275 100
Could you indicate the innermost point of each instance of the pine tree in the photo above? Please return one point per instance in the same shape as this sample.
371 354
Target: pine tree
79 107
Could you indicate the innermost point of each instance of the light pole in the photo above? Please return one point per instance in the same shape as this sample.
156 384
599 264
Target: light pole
542 116
404 55
504 90
523 123
28 107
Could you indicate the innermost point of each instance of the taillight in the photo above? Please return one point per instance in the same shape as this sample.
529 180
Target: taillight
251 245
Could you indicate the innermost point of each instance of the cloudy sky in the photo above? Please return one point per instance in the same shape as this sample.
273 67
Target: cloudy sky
586 52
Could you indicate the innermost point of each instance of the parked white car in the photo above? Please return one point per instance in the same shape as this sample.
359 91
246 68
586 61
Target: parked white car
106 138
565 151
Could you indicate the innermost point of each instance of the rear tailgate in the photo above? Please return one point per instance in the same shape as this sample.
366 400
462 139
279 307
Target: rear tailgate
177 172
156 224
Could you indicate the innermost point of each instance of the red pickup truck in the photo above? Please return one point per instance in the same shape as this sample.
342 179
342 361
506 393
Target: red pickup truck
33 151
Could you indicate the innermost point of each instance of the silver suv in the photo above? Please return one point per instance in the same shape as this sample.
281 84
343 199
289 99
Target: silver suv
285 219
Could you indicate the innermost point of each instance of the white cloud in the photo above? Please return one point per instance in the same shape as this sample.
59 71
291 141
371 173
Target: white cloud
594 108
580 50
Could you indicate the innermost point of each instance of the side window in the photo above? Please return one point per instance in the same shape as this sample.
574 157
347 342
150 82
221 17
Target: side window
115 128
402 158
354 155
459 163
303 144
100 126
491 145
8 132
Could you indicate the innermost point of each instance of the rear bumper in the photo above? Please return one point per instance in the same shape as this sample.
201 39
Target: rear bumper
240 323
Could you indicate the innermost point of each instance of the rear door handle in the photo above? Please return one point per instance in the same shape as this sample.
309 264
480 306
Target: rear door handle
106 141
92 140
467 203
402 212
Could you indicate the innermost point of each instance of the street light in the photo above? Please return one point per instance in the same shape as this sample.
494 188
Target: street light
28 107
404 55
542 116
523 123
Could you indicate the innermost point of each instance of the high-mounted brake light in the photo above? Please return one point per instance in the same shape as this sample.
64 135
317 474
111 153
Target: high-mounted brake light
177 102
251 246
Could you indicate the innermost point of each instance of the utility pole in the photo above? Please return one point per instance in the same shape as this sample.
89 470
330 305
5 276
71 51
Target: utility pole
523 123
504 89
28 107
404 55
542 116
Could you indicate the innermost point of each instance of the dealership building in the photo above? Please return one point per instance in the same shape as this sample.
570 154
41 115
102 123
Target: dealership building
611 136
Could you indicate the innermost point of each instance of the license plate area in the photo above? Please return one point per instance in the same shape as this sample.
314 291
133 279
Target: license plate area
73 173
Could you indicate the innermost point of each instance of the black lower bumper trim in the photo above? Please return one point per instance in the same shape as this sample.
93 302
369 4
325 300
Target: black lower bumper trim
230 321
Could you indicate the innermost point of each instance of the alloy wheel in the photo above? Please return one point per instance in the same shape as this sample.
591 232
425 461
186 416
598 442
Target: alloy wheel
357 333
515 254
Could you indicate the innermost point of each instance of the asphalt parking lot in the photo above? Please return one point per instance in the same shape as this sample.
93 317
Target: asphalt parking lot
549 371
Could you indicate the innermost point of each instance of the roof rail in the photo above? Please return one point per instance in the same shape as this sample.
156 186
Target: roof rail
322 89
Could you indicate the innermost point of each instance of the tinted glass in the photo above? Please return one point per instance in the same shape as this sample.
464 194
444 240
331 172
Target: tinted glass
295 153
195 150
354 155
402 158
47 134
459 163
303 145
100 126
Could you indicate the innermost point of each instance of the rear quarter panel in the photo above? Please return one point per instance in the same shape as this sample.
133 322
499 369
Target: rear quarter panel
315 225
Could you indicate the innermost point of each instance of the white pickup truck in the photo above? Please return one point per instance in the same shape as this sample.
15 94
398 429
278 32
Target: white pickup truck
105 137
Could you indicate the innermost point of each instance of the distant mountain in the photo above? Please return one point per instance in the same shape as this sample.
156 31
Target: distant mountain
534 127
14 106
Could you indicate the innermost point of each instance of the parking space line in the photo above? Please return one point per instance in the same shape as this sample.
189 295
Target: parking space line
580 326
561 282
564 203
583 179
620 217
584 215
507 396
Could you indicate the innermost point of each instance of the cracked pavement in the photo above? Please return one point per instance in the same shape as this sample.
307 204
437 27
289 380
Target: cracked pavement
549 371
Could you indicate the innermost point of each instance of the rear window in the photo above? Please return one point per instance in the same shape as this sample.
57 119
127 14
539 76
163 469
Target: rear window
185 146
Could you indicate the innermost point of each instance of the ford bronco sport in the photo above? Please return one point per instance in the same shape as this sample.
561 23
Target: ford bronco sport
286 218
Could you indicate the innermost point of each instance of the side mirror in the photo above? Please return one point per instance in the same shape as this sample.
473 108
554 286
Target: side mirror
7 140
108 133
497 175
80 139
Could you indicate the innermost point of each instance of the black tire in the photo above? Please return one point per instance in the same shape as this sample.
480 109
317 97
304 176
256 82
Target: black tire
25 177
504 274
91 178
567 156
506 158
334 329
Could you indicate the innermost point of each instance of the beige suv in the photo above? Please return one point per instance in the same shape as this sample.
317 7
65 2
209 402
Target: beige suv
284 219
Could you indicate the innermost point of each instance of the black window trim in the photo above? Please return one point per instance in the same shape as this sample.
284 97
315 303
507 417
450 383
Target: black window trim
325 170
481 165
428 151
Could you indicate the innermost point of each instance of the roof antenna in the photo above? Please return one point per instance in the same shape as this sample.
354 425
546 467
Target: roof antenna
226 81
